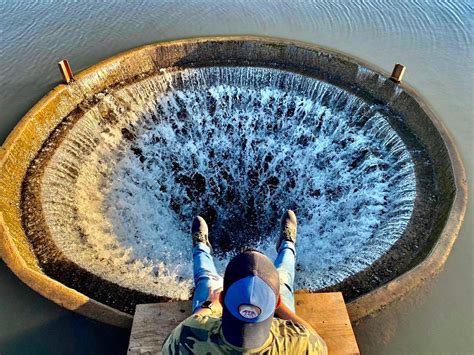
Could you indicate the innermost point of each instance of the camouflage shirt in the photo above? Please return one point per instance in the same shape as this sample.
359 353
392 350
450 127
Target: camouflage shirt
201 334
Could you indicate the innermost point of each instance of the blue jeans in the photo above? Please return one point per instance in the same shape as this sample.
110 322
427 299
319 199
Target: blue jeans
206 276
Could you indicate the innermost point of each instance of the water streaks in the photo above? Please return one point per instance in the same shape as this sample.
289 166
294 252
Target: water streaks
236 145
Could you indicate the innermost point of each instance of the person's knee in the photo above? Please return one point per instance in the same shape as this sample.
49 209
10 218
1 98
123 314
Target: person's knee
285 276
206 275
202 275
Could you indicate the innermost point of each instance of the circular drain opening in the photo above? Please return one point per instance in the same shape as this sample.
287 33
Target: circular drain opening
237 145
239 155
86 209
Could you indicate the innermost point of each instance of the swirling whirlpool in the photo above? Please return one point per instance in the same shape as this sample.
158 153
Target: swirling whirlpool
237 145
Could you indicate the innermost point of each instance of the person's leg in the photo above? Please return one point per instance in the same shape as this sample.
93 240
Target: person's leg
285 264
205 274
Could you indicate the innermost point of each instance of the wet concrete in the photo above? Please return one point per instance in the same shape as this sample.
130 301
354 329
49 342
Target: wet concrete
438 184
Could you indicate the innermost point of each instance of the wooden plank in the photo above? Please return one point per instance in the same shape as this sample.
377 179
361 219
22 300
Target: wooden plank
326 312
153 322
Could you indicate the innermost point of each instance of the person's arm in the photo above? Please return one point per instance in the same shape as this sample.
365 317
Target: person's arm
283 312
214 297
316 344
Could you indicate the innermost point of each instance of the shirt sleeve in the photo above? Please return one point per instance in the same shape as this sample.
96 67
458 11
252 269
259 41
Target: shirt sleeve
171 343
186 335
317 345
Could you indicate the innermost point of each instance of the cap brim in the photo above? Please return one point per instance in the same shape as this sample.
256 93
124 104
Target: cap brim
243 334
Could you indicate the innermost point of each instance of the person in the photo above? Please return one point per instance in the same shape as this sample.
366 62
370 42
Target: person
252 309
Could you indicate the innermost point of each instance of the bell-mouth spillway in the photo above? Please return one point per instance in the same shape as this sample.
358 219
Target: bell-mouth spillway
236 129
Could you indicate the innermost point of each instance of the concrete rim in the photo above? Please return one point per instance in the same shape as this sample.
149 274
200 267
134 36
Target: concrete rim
359 308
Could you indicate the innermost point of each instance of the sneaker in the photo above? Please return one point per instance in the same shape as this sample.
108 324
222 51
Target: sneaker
199 231
288 228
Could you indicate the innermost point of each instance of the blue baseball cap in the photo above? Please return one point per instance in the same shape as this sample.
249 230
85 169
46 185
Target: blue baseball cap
250 295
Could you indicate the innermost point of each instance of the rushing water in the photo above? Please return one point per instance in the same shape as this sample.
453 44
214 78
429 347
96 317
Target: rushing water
236 145
434 39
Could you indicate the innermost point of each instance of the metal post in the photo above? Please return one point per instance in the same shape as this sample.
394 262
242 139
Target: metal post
66 71
397 73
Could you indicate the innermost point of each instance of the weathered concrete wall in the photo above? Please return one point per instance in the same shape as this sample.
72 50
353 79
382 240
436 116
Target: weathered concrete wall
421 130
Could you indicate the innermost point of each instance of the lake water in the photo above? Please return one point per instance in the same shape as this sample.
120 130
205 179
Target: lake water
432 38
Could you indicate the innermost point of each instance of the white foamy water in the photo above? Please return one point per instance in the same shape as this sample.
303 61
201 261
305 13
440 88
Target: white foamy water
433 38
238 146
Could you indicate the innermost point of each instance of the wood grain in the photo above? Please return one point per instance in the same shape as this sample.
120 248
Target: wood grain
326 312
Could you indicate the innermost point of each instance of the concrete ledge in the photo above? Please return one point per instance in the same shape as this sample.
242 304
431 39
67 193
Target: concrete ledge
32 132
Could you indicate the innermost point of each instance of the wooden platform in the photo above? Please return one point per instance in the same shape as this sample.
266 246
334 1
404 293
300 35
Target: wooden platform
326 312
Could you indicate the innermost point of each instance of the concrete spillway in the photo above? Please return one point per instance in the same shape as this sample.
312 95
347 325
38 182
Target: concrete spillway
101 179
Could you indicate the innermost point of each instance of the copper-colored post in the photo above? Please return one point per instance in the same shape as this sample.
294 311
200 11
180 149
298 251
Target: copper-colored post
397 73
66 71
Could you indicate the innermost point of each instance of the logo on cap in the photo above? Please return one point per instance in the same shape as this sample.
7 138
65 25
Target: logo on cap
249 311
